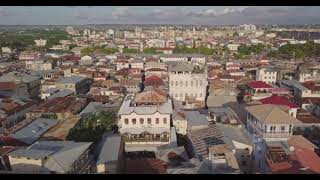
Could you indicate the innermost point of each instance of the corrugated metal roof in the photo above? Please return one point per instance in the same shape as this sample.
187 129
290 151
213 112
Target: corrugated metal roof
70 80
110 149
34 130
194 118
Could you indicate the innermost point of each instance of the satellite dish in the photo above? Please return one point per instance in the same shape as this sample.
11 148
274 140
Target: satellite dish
291 148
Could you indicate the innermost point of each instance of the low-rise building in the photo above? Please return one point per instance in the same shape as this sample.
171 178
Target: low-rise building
281 101
79 84
61 107
267 75
25 85
121 64
269 122
137 63
258 90
40 65
145 118
233 47
25 55
44 157
86 60
111 157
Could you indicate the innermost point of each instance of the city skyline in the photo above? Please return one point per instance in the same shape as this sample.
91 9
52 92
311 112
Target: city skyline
197 15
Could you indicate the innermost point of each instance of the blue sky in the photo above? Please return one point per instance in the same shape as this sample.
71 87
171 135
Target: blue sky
45 15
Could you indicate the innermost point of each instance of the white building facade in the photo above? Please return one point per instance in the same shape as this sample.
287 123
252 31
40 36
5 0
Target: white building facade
266 75
142 121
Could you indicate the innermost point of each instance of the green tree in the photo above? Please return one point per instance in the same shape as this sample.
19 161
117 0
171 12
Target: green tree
87 51
149 51
110 50
128 50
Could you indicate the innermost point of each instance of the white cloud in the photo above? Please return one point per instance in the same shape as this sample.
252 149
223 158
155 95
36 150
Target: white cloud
120 12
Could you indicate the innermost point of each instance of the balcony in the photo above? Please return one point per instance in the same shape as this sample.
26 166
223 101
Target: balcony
276 135
132 139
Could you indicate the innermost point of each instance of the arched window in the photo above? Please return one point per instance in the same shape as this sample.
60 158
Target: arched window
134 121
126 121
141 120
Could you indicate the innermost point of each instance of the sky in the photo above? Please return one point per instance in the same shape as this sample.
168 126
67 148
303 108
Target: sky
198 15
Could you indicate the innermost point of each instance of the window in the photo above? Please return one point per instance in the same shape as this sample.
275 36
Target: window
172 83
176 83
149 120
176 95
196 95
164 120
157 120
126 121
186 94
290 128
282 128
134 121
196 82
181 95
200 82
186 83
141 120
200 95
181 83
191 83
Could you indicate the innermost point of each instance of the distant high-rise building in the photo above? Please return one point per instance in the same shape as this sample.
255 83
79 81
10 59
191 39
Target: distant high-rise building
248 27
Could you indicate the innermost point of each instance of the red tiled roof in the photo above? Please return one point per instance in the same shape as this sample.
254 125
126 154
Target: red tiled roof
298 141
308 158
153 81
145 166
311 85
278 100
258 84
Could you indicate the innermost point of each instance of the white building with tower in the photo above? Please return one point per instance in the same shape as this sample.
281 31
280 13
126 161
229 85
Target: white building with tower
188 84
